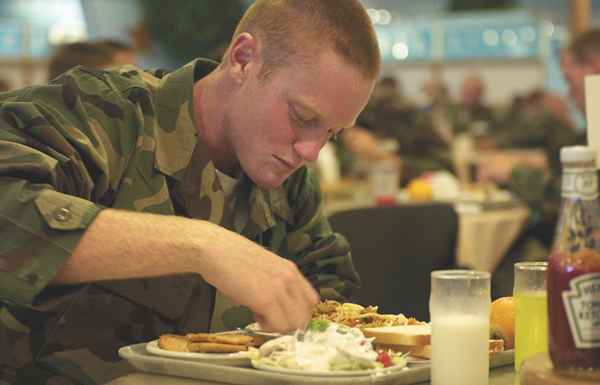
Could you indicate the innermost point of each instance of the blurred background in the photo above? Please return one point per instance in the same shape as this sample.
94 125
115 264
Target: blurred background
514 43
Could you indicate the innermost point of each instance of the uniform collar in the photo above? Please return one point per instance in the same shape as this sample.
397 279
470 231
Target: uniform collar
176 138
175 130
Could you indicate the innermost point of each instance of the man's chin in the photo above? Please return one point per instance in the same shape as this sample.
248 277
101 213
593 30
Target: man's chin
268 181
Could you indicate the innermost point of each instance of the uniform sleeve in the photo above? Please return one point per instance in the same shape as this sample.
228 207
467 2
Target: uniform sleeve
55 146
323 256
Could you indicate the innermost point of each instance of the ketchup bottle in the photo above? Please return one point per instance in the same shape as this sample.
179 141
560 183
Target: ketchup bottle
574 270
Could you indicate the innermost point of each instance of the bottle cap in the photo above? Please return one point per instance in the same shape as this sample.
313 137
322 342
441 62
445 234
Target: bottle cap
577 154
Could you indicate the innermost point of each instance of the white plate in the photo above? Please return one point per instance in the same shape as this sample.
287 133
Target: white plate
229 359
329 373
417 360
255 328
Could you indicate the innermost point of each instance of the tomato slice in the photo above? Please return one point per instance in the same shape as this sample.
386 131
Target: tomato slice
384 358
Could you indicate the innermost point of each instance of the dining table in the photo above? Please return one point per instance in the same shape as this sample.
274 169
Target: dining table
486 229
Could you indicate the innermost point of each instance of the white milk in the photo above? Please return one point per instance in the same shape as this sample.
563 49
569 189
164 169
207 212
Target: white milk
460 350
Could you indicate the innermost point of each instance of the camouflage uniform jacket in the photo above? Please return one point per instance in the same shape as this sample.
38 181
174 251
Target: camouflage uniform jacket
124 139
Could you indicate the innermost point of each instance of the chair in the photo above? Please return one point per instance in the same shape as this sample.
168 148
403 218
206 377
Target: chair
395 249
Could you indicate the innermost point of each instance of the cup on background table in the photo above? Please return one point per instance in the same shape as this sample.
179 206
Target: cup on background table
384 179
531 314
460 327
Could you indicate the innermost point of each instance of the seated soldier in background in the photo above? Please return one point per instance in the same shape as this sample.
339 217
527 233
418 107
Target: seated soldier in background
472 114
92 54
121 53
85 53
581 58
4 85
388 115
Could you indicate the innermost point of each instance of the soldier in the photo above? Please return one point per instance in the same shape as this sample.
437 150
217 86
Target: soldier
581 58
472 114
85 53
128 198
122 53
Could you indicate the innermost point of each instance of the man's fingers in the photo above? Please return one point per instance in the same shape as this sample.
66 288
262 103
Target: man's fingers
289 309
311 295
305 298
297 308
273 319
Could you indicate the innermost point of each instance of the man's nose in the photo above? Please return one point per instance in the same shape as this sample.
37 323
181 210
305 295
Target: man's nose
308 150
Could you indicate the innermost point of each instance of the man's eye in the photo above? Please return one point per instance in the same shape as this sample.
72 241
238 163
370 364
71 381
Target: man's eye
301 121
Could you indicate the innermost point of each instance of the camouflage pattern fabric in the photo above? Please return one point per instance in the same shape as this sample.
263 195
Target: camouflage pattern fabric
124 139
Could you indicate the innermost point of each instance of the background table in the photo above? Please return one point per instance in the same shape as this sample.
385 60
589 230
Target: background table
484 234
484 237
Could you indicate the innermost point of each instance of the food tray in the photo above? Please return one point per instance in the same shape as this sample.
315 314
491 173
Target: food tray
137 356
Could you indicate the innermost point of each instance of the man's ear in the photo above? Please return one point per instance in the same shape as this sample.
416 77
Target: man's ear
243 56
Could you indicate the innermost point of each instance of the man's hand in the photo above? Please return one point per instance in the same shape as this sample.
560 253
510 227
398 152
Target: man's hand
155 245
272 287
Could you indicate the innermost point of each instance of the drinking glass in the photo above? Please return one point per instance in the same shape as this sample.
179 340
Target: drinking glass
460 327
531 314
384 179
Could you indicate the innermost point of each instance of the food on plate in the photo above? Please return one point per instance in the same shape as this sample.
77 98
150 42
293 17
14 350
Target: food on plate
412 339
324 347
233 339
424 351
410 335
208 343
502 321
173 342
354 315
214 347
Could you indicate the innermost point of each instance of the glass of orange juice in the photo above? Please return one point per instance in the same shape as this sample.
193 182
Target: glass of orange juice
531 314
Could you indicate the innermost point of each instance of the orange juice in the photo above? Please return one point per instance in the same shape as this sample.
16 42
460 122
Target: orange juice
531 325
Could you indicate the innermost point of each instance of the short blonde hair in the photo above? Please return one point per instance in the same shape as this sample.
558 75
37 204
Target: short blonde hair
295 30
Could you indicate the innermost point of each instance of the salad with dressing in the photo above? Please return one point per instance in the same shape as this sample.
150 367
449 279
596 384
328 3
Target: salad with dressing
324 346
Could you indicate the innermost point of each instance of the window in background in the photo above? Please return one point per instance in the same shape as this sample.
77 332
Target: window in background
30 27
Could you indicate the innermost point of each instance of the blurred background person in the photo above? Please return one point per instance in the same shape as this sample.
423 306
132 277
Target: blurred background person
87 54
379 131
473 114
542 192
99 54
389 113
121 52
4 85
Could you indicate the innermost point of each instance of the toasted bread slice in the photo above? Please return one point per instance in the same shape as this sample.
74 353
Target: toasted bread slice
424 351
173 342
215 347
231 339
408 335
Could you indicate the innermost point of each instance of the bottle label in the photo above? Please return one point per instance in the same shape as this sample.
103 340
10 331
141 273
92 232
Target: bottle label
582 305
580 183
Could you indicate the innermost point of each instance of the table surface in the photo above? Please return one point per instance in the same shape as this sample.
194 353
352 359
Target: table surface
484 236
500 376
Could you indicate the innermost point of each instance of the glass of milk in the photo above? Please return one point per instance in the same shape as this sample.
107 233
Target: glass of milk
459 306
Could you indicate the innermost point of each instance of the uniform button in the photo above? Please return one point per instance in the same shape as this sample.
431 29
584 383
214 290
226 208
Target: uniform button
31 278
62 215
